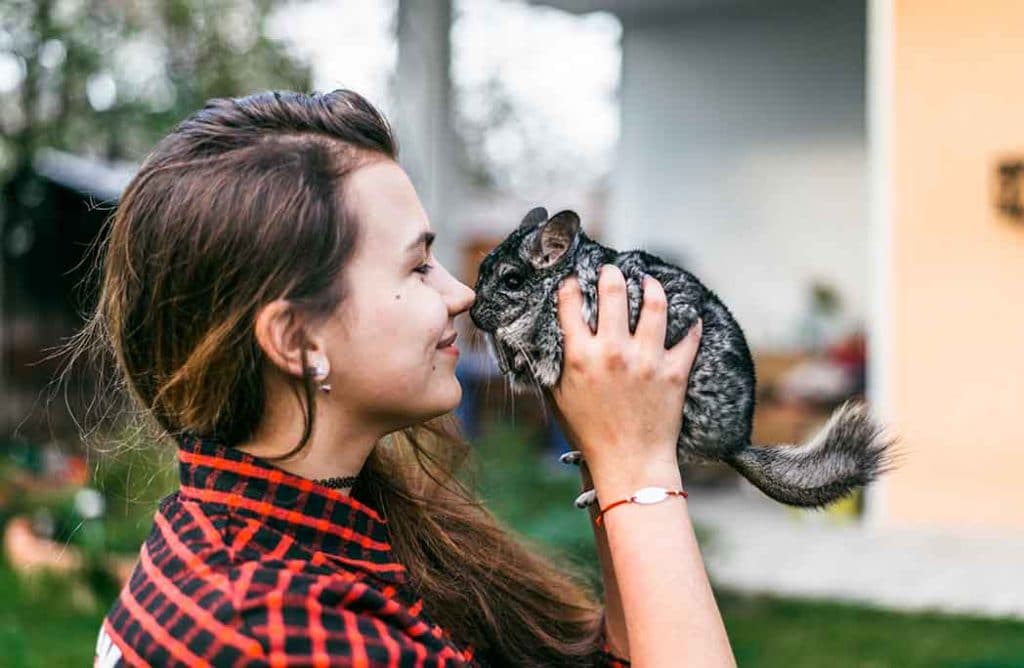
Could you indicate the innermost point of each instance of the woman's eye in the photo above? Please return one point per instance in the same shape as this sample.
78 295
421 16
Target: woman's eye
424 268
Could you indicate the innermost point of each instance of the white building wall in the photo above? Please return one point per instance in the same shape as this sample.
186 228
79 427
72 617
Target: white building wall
743 154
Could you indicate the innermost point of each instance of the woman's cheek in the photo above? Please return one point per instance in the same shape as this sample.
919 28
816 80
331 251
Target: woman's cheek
433 313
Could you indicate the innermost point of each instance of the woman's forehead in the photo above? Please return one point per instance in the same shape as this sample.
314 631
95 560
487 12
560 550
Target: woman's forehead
386 206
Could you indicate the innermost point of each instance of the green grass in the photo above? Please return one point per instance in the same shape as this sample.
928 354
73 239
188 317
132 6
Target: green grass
770 632
46 621
52 622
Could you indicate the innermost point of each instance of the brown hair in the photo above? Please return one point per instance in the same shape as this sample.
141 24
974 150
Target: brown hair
240 205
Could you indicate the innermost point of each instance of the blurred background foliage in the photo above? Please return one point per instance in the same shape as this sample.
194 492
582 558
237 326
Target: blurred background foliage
110 78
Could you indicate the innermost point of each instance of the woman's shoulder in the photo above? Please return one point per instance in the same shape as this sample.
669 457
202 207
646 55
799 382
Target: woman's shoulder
208 550
178 605
213 585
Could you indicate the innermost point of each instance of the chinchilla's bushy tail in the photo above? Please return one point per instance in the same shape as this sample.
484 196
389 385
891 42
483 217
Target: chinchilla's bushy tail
848 452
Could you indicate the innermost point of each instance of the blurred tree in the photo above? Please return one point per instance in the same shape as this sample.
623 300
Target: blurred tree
105 79
108 78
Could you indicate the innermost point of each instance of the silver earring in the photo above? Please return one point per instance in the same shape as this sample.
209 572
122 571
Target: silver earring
319 370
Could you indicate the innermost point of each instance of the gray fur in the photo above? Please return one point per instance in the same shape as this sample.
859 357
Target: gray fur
516 305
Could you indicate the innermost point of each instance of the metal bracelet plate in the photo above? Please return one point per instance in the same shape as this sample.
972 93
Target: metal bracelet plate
649 495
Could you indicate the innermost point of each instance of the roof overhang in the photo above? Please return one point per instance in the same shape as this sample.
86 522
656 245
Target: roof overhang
635 7
649 9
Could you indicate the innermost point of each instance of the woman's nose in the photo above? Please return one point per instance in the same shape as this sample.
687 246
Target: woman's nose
459 295
464 297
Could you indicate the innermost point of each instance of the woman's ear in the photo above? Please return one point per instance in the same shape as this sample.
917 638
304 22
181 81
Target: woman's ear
282 336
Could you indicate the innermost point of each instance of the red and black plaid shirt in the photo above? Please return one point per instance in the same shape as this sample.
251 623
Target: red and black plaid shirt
249 565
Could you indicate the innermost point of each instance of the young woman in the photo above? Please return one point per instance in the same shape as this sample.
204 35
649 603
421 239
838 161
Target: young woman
270 300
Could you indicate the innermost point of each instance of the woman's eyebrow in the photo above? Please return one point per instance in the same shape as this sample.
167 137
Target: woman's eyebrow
424 238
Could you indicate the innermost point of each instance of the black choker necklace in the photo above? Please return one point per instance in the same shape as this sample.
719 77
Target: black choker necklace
338 483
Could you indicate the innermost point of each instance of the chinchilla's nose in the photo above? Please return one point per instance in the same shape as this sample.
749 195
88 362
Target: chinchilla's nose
474 314
482 317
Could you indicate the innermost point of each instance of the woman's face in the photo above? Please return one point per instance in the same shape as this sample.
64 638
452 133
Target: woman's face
385 346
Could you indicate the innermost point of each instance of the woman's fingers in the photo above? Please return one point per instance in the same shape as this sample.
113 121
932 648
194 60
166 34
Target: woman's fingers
613 317
683 353
652 323
619 395
570 311
612 310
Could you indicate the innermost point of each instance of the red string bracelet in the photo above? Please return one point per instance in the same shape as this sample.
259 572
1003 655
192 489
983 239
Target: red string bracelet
646 496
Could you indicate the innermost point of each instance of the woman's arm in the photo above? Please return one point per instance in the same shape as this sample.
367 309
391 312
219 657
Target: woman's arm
620 397
614 619
640 559
669 608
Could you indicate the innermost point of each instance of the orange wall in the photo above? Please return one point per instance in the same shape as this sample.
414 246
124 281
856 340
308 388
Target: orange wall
956 373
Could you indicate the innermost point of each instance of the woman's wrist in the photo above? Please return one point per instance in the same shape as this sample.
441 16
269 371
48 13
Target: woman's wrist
613 483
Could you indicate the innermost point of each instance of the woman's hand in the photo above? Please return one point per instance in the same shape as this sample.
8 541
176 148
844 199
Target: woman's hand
620 396
620 399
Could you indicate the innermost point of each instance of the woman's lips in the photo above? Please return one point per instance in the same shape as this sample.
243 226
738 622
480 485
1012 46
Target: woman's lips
447 344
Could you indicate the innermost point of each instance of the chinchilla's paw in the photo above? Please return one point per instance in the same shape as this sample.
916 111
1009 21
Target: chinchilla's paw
587 498
571 457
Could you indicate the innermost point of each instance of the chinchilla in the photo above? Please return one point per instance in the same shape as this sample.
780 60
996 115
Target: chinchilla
516 305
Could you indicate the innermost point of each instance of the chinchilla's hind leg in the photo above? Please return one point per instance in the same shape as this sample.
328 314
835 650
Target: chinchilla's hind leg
571 457
587 498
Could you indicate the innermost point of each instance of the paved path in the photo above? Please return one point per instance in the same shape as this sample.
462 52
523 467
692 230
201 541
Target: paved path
760 546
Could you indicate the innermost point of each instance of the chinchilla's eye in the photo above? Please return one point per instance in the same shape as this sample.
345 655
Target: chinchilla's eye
512 280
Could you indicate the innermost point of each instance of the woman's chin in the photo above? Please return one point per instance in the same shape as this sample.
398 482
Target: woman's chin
444 403
455 398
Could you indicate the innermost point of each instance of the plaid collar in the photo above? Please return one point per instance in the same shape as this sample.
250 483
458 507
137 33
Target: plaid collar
316 517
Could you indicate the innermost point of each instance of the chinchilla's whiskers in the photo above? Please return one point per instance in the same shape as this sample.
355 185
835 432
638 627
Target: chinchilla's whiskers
509 402
526 357
536 383
487 383
510 388
540 400
510 393
496 351
487 390
504 397
536 386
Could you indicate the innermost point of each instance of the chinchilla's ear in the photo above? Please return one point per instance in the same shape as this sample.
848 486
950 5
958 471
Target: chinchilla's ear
536 216
551 241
